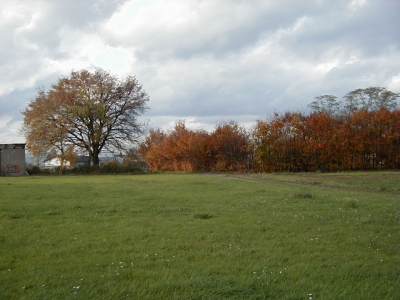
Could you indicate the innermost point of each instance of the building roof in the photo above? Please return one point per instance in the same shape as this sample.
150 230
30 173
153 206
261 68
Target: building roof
12 146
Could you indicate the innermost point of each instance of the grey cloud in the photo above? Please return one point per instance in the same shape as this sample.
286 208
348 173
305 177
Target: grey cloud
236 59
369 30
29 39
36 23
329 31
12 104
30 34
215 29
218 88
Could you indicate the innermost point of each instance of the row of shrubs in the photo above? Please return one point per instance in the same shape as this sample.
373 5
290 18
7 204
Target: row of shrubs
112 167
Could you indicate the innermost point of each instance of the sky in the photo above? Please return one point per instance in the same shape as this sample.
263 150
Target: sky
201 61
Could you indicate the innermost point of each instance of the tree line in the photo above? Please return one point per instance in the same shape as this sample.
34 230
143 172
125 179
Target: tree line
362 132
88 112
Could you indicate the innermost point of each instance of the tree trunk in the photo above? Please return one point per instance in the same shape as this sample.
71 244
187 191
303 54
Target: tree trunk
96 161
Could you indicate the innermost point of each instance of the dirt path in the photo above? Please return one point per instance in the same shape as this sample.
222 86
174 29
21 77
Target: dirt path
266 180
315 184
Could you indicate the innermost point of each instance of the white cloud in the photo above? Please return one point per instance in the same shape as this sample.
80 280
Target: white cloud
394 83
357 4
95 53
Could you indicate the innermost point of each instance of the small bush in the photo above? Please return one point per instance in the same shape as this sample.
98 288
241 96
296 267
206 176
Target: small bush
382 188
304 195
112 167
202 216
35 170
352 203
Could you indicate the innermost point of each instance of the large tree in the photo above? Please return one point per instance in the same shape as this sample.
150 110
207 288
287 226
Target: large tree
87 112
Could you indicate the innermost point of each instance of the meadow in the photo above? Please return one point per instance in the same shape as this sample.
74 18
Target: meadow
196 236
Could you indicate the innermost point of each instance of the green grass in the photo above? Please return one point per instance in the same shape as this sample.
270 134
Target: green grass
188 236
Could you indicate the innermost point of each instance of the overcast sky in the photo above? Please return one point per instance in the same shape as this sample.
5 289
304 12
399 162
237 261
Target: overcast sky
203 61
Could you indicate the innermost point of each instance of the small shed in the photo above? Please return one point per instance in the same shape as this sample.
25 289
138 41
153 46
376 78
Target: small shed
12 160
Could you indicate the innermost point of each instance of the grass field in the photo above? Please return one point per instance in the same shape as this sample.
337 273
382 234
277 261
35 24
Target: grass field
194 236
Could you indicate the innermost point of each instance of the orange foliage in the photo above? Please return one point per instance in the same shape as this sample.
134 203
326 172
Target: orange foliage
362 134
294 142
182 149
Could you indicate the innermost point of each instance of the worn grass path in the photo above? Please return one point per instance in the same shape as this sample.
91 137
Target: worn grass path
385 181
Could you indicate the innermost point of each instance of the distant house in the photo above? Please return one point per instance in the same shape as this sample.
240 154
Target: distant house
12 160
44 162
54 163
82 161
85 160
107 159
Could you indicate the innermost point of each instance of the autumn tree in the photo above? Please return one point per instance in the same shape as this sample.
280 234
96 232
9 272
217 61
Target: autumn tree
86 112
179 149
229 145
264 140
185 149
